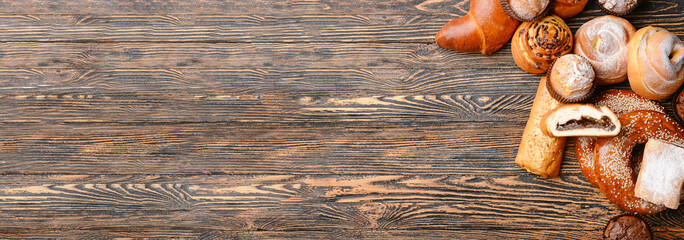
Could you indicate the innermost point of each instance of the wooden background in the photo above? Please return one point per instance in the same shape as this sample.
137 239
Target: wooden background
255 119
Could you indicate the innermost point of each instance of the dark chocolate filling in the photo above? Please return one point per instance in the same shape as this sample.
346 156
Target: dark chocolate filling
587 122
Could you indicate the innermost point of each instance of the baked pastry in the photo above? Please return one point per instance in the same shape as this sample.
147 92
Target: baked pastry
535 45
654 63
580 120
661 174
567 8
625 227
486 28
678 106
571 79
525 10
539 153
620 102
618 7
613 156
603 42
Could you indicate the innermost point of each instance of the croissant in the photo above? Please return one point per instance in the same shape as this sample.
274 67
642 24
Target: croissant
655 59
486 28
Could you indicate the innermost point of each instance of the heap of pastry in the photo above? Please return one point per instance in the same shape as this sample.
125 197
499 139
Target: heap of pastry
606 126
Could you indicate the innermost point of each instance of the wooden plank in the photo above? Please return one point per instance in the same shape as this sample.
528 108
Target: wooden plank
297 83
262 109
243 55
334 234
256 28
481 148
211 7
131 203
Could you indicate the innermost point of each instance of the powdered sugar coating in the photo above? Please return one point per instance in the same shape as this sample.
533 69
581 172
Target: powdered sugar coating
603 42
662 173
620 102
528 9
572 76
618 6
613 155
660 56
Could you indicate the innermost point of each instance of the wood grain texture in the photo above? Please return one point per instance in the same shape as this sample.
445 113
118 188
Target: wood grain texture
255 28
31 55
289 82
304 119
479 148
310 203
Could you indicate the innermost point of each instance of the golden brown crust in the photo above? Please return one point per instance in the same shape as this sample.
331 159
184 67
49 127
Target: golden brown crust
603 42
526 10
620 102
567 8
539 153
535 45
486 28
612 157
655 60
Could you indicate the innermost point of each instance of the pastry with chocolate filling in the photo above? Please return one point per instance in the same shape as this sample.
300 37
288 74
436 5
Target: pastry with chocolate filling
678 106
627 227
578 120
571 79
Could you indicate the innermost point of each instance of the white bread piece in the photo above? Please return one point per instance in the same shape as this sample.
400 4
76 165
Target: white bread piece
662 173
588 114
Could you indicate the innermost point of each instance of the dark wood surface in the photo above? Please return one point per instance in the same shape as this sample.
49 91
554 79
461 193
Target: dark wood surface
303 119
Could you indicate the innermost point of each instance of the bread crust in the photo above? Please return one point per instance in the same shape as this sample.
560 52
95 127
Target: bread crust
620 101
655 63
603 41
486 28
567 8
613 155
535 45
539 153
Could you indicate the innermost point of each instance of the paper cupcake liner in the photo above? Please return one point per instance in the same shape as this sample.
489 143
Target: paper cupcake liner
509 11
619 14
558 97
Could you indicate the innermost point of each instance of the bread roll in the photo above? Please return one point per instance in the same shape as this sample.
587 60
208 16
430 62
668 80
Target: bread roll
539 153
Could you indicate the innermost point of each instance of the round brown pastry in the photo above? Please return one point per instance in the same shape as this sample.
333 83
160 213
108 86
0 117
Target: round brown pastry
525 10
615 176
535 45
627 227
678 106
567 8
620 102
618 7
654 63
603 41
571 79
